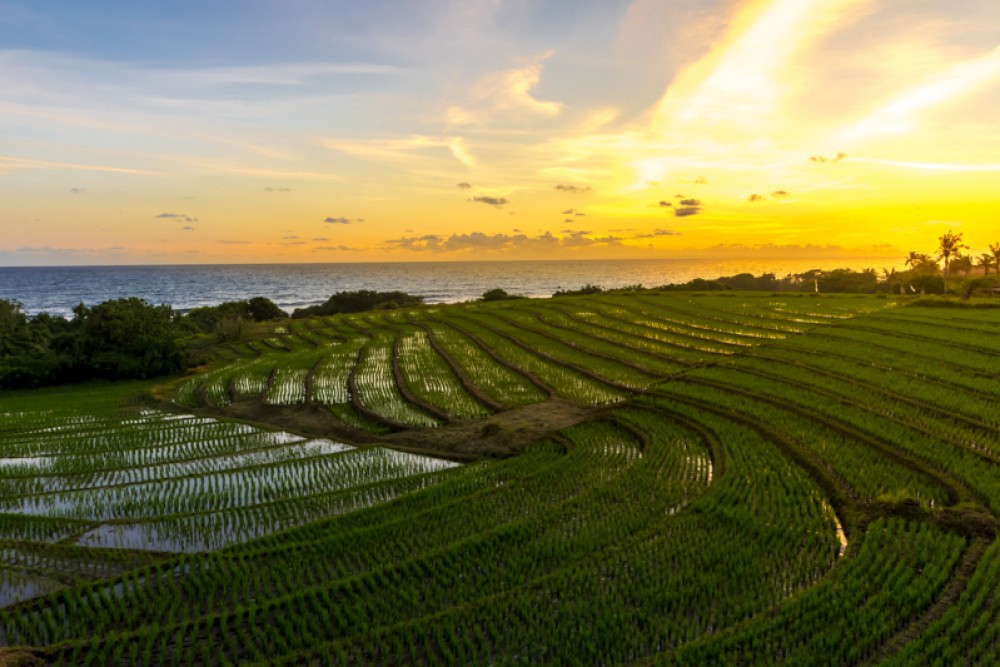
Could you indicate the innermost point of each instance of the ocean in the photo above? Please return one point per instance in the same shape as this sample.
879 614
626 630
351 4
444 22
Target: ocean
56 290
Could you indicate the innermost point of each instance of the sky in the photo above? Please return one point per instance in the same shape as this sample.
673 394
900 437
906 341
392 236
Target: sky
141 132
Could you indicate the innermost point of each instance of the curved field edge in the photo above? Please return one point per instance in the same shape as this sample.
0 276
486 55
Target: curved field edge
606 553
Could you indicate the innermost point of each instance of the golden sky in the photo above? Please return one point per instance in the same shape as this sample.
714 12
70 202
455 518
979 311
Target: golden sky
310 131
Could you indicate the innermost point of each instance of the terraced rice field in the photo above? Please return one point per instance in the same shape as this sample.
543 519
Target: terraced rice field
752 479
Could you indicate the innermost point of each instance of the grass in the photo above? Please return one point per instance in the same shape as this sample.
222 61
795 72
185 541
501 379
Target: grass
656 479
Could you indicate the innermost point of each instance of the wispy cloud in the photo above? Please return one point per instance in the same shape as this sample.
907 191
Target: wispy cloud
461 152
336 248
243 169
738 83
405 152
823 159
187 82
183 217
281 75
12 163
473 241
490 201
505 92
954 81
933 166
656 233
496 104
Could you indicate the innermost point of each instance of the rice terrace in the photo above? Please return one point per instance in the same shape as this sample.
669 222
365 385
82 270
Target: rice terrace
617 478
484 333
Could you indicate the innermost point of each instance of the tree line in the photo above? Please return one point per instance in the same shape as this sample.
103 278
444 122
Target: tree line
923 275
123 338
130 338
118 339
950 251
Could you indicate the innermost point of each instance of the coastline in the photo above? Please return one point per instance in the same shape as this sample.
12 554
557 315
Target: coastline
57 290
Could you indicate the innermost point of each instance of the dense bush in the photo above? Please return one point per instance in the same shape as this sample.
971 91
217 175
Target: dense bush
979 286
359 301
126 338
846 280
586 289
914 282
218 319
747 281
122 338
497 294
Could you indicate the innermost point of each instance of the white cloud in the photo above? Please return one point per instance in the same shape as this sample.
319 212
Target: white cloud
461 151
504 93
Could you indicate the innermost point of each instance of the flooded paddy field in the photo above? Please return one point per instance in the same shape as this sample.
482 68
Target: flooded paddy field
679 478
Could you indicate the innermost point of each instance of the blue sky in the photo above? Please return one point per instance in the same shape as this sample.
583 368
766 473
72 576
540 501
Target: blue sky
256 122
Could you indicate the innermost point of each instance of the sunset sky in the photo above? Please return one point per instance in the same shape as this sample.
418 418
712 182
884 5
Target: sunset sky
343 130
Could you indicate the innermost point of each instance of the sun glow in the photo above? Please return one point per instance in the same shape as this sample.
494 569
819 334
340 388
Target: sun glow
777 122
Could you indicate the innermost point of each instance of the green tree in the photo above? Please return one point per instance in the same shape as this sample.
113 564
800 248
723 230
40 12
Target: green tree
127 338
962 263
846 280
921 262
925 283
32 351
985 262
359 301
498 294
231 329
15 335
262 309
950 247
495 294
586 289
210 319
995 250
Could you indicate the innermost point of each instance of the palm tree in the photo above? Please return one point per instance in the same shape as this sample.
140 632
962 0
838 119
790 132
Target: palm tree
995 249
950 247
888 276
985 262
962 263
921 262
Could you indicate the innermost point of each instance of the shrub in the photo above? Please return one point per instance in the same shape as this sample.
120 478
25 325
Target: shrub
495 294
586 289
359 301
208 319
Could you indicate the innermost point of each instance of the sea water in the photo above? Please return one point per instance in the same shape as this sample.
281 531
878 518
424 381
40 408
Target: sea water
56 290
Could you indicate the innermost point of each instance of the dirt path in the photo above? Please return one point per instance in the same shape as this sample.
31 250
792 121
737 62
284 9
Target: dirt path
497 436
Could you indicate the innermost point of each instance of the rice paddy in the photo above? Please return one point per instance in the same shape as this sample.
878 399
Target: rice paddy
709 479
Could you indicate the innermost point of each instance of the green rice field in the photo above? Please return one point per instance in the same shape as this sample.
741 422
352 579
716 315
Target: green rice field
620 478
